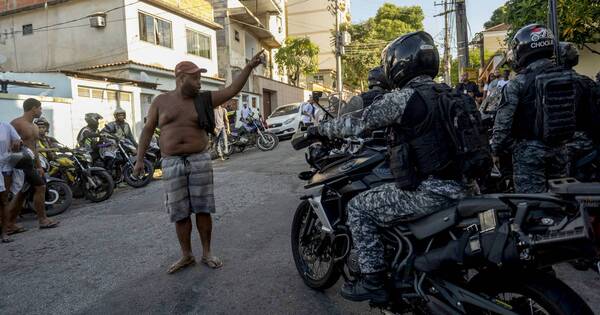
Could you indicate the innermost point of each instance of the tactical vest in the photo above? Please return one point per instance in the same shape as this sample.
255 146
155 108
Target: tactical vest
546 110
419 146
370 96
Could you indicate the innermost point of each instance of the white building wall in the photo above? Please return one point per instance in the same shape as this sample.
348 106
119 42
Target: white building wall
147 53
56 110
69 46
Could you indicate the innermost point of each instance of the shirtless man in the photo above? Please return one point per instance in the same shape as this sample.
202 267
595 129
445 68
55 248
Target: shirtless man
30 134
187 167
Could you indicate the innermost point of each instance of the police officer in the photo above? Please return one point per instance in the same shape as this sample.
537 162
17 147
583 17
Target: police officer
85 137
586 109
534 160
378 86
410 62
120 127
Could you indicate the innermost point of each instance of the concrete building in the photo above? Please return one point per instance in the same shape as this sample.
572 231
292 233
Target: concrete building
136 40
249 27
494 38
71 95
310 18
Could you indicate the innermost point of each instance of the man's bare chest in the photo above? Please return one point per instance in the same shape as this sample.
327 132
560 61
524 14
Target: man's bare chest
177 114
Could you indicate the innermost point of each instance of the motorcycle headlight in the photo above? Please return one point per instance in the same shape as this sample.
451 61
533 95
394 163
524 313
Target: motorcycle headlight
289 121
87 157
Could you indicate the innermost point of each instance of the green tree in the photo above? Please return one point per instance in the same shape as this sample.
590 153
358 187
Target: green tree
498 17
370 37
474 62
299 56
579 20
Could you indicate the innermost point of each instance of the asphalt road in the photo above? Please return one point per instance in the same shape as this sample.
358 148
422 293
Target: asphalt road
111 258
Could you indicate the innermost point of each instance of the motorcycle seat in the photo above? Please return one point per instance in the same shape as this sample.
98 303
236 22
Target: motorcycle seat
469 207
428 225
570 186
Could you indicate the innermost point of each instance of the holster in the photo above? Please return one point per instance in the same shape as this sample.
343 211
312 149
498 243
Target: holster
402 166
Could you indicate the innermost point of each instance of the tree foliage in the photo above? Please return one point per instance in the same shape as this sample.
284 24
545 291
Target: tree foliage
299 56
578 19
371 36
498 17
474 62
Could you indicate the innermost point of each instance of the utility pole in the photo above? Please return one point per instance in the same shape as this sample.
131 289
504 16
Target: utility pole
446 60
338 51
462 35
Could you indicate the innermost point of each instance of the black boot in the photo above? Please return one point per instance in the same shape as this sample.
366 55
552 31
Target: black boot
370 287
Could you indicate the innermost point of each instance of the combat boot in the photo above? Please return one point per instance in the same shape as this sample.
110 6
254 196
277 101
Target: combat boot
370 287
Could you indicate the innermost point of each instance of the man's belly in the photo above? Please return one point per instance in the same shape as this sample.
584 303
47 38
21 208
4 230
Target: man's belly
183 141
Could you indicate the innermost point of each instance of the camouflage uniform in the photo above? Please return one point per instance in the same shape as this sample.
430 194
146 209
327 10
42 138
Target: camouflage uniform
534 162
386 203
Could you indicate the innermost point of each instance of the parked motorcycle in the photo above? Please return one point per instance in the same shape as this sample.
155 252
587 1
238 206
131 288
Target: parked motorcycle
256 135
75 168
118 156
59 196
485 255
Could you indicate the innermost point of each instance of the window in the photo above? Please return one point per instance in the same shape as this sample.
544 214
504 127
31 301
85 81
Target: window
83 91
198 44
27 29
125 96
236 35
111 95
155 30
318 78
99 94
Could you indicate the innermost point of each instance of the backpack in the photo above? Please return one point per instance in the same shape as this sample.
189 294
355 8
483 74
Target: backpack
555 104
456 115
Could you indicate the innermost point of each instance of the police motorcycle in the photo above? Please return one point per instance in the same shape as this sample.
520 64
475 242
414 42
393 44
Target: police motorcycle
255 135
485 255
118 156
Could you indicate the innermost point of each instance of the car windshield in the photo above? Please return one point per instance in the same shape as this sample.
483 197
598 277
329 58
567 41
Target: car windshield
286 110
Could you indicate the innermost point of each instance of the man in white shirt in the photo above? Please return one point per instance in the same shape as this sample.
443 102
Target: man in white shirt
502 82
221 130
308 111
10 141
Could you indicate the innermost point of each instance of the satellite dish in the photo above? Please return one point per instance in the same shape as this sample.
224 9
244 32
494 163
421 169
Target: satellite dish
144 77
3 59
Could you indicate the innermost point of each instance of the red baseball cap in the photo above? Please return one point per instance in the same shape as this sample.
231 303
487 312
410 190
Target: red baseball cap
188 67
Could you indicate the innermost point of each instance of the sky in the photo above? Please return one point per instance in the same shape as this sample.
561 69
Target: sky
478 12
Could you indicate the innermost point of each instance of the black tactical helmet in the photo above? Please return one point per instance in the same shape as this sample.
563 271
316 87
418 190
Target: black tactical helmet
569 54
92 119
377 78
532 42
42 122
409 56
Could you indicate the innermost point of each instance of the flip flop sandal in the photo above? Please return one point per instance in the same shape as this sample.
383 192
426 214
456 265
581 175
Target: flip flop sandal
17 231
49 225
212 262
181 264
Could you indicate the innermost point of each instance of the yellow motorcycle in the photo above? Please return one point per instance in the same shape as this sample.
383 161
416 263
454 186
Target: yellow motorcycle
74 167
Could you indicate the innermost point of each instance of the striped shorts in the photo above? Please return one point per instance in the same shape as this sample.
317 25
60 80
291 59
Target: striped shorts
188 185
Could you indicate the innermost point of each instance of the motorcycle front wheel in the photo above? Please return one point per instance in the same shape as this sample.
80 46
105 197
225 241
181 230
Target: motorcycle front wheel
267 141
59 198
528 293
318 270
143 180
104 186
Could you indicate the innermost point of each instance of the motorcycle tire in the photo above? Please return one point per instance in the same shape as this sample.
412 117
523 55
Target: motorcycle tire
59 198
267 142
105 179
304 215
538 291
239 148
138 182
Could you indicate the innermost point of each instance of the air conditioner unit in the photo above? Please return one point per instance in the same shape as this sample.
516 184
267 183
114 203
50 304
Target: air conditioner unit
98 20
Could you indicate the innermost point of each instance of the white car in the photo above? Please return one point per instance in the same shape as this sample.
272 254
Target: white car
284 121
